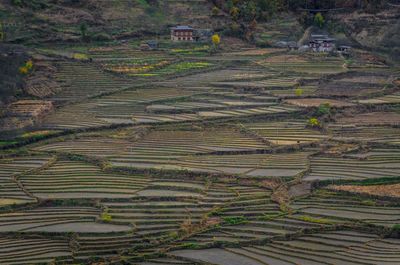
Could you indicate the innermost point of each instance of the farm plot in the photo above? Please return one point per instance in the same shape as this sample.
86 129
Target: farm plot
116 108
89 146
336 206
10 191
178 142
371 119
168 208
57 220
389 190
286 132
244 72
377 134
335 247
251 216
214 101
354 84
387 99
246 165
33 250
273 82
71 117
379 163
123 60
304 64
82 80
315 102
70 179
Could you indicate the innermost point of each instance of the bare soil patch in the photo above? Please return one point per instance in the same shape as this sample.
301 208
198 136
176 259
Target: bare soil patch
373 118
315 102
391 190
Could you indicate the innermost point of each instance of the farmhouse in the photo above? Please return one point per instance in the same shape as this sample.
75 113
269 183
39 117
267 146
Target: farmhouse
321 43
182 33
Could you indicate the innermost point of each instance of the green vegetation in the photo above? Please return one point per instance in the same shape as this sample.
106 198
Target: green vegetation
319 20
311 219
235 220
314 123
323 109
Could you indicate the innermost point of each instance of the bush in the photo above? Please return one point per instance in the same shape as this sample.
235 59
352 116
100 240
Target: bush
235 220
102 36
215 11
314 122
319 20
299 92
17 3
323 109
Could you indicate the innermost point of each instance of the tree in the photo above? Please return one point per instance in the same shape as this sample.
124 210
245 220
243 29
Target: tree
215 11
234 12
216 39
314 122
323 109
319 20
83 30
2 35
299 91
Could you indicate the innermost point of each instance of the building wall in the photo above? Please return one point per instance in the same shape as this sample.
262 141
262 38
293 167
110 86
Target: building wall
181 35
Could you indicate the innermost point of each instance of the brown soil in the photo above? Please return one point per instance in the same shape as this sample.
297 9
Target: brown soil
29 108
392 190
285 58
264 51
315 102
373 118
40 83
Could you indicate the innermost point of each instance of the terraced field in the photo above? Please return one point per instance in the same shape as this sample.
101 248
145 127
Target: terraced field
286 133
339 247
337 206
172 157
70 179
378 163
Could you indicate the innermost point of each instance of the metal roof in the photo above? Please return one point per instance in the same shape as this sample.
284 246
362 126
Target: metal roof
182 28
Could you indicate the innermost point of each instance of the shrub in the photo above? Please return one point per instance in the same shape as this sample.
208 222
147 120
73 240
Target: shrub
319 20
80 56
26 68
323 109
106 217
234 12
102 36
17 3
215 11
235 220
23 70
314 220
314 122
216 39
298 91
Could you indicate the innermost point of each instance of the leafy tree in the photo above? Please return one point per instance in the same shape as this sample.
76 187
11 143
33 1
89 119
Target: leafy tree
17 3
323 109
314 122
234 12
83 29
299 91
216 39
319 20
215 11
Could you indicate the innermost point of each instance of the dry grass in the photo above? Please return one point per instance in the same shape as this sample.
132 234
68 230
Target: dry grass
315 102
391 190
372 118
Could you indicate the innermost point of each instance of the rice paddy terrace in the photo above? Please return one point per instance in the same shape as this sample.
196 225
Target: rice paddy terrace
245 157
